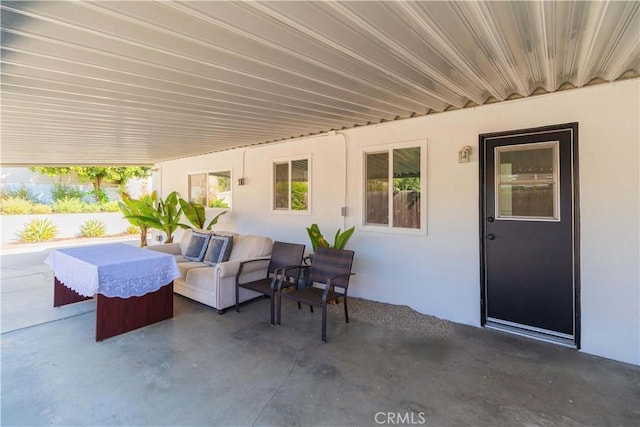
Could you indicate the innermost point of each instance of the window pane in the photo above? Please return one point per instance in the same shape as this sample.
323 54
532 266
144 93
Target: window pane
198 188
377 173
281 192
526 181
406 187
300 185
219 191
526 200
526 165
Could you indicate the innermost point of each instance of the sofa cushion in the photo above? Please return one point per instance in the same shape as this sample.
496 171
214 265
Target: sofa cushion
197 246
219 250
201 278
246 246
181 258
185 267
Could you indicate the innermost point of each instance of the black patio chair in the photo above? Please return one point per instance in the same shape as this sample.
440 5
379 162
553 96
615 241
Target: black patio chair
329 270
282 255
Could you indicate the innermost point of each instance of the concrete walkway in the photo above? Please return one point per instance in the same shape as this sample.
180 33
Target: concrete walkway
201 368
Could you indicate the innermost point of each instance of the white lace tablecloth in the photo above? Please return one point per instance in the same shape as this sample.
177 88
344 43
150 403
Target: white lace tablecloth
113 270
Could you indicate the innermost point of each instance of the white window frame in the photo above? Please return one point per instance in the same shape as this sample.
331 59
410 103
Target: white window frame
388 148
289 161
207 173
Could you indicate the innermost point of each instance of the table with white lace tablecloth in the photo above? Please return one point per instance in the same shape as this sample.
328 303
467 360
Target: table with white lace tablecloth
133 286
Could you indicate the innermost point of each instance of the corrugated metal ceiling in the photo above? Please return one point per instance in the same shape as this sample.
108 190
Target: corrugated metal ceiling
140 82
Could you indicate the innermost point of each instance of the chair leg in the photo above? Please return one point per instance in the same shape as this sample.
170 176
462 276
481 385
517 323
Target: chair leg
310 307
272 307
324 323
346 311
237 299
279 308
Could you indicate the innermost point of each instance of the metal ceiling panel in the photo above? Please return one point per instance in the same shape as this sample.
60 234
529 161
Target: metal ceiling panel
140 82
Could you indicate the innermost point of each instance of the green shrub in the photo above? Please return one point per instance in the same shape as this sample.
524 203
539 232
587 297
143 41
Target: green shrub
111 206
16 206
64 191
100 196
41 209
91 207
22 192
92 228
299 191
67 205
132 229
38 230
218 203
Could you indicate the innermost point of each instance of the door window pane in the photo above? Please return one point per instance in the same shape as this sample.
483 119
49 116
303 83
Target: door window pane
527 181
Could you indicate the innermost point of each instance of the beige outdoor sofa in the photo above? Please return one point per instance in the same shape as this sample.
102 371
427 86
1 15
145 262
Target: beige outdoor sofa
213 284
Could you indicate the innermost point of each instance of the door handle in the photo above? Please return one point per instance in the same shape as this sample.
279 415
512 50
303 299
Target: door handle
491 219
491 236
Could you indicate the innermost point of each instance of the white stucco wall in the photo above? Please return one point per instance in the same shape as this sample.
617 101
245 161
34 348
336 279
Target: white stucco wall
438 273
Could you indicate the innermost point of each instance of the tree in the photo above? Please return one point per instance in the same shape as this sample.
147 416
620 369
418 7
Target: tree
97 175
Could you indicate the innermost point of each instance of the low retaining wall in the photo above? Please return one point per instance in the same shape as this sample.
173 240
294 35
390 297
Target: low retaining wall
68 224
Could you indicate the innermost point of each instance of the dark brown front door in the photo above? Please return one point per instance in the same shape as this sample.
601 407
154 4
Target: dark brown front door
529 233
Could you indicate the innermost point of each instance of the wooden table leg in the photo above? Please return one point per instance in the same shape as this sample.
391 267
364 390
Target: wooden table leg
63 295
116 315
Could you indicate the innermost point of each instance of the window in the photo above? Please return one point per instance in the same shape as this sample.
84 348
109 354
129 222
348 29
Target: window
394 188
291 185
526 180
212 189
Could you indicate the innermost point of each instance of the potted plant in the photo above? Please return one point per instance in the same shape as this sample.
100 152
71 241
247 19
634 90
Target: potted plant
134 210
195 213
156 213
339 242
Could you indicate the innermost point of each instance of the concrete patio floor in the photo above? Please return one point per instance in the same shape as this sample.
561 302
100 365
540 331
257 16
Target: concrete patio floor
202 368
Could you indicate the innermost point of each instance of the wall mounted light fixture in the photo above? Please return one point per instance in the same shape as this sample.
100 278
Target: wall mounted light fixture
464 155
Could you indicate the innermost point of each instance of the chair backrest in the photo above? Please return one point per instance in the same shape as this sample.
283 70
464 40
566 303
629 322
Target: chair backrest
284 255
329 262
